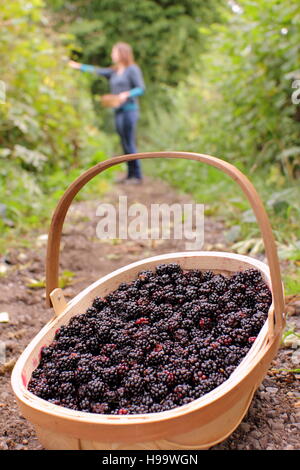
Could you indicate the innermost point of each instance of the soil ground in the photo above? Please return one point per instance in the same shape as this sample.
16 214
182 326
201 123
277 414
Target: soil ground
272 421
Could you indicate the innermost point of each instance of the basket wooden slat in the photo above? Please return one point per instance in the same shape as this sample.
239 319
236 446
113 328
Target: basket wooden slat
198 425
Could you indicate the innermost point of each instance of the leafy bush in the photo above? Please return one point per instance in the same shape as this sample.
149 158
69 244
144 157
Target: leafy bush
240 108
47 119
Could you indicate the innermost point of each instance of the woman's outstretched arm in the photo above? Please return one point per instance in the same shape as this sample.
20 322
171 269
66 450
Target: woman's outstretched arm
104 71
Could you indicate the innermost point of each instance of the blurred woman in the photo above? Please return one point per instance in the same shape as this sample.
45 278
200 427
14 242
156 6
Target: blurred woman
126 81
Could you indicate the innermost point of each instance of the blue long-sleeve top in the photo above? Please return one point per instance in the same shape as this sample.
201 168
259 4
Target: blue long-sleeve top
131 79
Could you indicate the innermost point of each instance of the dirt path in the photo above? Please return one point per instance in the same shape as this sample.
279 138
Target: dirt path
272 421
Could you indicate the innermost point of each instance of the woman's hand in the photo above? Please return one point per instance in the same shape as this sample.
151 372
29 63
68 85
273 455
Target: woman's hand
123 96
74 65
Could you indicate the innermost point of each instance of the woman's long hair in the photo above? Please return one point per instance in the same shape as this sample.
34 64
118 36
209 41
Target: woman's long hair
125 53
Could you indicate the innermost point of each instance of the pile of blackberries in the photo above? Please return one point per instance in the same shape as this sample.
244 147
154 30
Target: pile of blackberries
158 342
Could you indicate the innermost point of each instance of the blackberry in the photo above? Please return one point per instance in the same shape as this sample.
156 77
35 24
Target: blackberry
208 367
167 405
109 375
158 295
69 402
111 397
166 377
38 374
170 268
47 352
99 303
191 292
67 362
92 312
67 376
41 389
181 335
122 369
96 388
165 279
84 405
257 321
156 357
207 276
157 391
194 277
252 275
66 388
82 374
92 344
215 380
205 323
147 401
182 375
182 391
208 308
198 377
133 384
219 284
213 298
240 336
100 408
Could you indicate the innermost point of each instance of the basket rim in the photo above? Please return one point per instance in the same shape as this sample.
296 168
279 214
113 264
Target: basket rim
259 348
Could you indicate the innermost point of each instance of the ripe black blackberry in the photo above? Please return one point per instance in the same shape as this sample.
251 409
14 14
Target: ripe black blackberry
194 277
99 303
67 361
133 384
41 388
191 292
69 401
169 268
101 408
92 312
207 275
66 388
82 374
84 405
219 284
111 397
182 375
109 375
66 376
156 357
38 373
157 391
96 388
47 353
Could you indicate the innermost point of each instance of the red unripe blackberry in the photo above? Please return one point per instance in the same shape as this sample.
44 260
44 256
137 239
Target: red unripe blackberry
251 339
142 320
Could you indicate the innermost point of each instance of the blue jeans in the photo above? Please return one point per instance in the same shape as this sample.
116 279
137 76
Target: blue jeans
126 121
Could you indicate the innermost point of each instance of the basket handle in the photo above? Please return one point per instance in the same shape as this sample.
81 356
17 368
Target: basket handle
54 237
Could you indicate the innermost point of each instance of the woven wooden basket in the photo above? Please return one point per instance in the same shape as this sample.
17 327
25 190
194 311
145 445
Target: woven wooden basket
110 101
197 425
